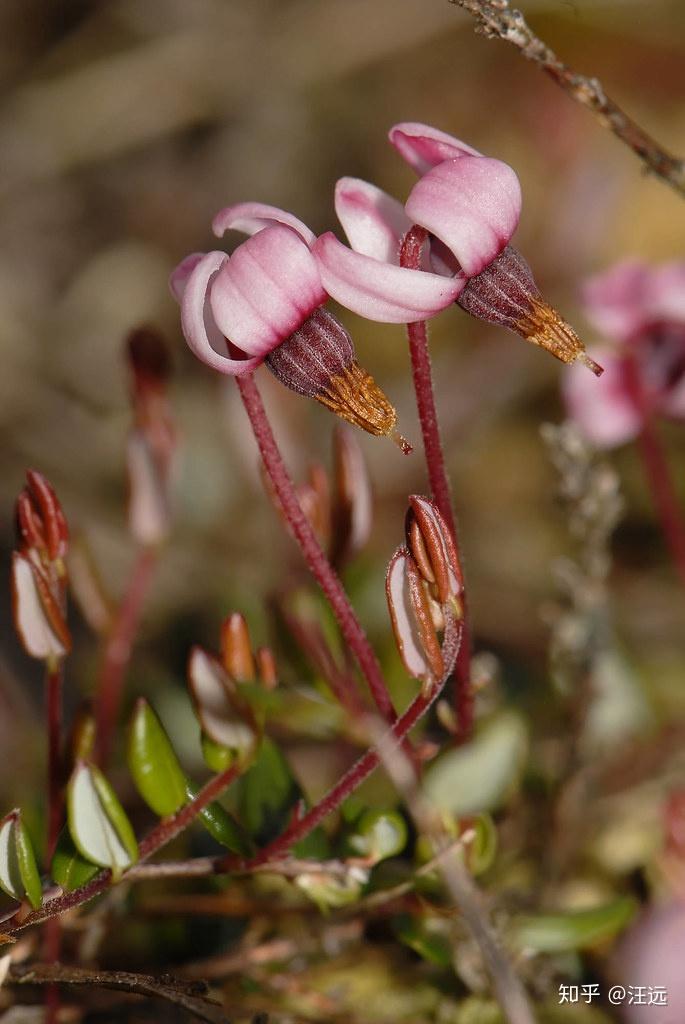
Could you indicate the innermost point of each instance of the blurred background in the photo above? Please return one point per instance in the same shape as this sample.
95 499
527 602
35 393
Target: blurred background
126 125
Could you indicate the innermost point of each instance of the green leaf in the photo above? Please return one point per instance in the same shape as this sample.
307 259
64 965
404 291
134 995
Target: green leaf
18 872
68 868
558 933
97 822
216 757
379 834
427 937
480 775
156 771
267 794
27 865
221 826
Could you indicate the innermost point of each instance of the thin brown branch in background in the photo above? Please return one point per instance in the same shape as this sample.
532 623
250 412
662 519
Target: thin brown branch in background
187 996
496 19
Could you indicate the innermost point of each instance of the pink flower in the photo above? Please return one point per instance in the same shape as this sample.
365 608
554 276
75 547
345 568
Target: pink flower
265 303
470 206
642 310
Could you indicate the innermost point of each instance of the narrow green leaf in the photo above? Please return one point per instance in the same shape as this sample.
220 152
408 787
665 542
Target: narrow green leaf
267 794
156 771
68 868
480 775
11 880
97 822
27 865
379 834
221 826
557 933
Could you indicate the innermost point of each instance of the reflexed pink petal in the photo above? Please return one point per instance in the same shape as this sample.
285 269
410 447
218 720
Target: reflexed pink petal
424 147
666 298
674 405
253 217
380 291
374 222
179 277
601 407
471 204
199 327
614 301
266 290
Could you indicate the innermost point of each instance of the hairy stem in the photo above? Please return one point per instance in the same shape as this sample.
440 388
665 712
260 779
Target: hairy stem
53 702
319 565
117 653
496 19
350 781
410 256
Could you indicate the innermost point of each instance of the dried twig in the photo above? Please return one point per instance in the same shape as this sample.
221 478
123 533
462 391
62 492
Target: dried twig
187 996
464 892
496 19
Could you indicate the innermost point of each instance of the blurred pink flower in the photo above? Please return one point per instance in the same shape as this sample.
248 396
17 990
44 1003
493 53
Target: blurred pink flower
642 310
470 206
649 959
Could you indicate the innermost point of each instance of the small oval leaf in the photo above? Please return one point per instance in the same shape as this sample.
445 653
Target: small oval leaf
68 868
216 757
10 875
214 696
156 771
403 619
379 834
558 933
97 822
221 826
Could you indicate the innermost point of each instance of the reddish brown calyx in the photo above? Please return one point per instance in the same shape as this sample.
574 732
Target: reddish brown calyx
318 360
505 293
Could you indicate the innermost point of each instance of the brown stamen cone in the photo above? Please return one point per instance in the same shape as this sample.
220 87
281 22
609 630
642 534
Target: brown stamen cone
354 395
318 360
546 328
505 293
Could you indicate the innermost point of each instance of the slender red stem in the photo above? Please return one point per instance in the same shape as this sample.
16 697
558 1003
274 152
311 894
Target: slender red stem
319 565
117 653
663 492
410 256
52 938
657 470
158 837
350 781
53 701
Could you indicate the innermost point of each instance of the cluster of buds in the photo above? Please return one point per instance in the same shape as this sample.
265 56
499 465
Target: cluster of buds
39 574
424 588
339 507
218 688
152 439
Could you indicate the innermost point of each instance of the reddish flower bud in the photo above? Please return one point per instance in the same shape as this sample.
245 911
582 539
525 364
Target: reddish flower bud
432 545
236 651
412 621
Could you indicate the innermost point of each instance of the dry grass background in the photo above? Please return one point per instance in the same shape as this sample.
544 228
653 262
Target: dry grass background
126 124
